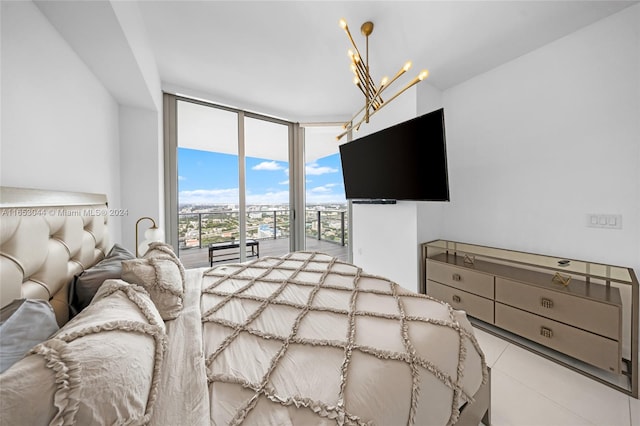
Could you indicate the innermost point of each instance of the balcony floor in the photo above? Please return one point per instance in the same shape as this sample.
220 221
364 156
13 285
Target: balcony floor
199 257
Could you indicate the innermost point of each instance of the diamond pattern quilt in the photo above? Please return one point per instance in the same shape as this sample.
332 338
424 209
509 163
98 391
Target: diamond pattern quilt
309 339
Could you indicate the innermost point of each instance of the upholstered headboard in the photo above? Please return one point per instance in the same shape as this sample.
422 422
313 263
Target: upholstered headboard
47 237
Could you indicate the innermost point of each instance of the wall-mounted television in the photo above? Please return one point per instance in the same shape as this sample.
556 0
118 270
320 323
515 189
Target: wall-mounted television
407 161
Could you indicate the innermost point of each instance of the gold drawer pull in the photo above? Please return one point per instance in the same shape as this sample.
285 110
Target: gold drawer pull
546 303
456 298
561 279
457 277
546 332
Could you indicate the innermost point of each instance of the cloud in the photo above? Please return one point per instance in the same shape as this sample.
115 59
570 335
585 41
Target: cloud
272 197
284 182
182 178
323 189
316 198
329 193
209 196
268 165
316 170
231 196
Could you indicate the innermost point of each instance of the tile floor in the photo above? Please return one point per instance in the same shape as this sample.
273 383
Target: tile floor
530 390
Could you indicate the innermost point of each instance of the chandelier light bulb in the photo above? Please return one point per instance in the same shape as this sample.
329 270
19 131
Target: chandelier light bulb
343 23
423 74
384 81
407 66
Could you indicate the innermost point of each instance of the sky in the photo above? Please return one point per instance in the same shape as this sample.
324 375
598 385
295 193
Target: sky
206 177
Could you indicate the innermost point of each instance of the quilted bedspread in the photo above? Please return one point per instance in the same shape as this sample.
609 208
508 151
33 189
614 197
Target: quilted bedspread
308 339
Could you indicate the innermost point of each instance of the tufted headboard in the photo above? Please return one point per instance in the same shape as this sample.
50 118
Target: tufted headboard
47 237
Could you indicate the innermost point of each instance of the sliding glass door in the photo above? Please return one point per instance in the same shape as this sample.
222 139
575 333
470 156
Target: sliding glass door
232 172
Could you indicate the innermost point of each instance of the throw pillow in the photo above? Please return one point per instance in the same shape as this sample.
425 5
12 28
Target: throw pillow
163 278
85 285
23 324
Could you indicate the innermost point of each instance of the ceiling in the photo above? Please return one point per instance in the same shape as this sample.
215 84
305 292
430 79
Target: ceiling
288 58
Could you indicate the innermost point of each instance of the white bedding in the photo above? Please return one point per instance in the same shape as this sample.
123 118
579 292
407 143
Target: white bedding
307 339
184 398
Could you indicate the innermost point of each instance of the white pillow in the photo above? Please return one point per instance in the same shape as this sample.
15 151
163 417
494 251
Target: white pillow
160 249
162 276
102 367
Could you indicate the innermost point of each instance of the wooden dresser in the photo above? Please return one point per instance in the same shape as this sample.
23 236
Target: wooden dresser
567 306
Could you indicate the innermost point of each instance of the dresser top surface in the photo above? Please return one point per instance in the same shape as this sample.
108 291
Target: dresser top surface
563 265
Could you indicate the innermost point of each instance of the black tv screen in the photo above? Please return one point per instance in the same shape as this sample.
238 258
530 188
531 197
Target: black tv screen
407 161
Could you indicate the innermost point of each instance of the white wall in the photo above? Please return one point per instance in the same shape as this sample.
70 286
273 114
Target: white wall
140 170
385 241
540 142
59 124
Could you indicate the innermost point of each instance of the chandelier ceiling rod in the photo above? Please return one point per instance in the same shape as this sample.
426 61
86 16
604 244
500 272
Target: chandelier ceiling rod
364 81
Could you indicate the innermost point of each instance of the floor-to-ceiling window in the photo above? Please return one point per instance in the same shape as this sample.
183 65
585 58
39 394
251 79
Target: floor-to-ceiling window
208 170
326 210
234 181
267 184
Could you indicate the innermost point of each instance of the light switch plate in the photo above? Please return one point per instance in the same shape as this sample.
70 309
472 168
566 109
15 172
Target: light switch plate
605 221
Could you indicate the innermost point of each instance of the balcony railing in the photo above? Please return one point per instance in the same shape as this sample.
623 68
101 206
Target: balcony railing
200 229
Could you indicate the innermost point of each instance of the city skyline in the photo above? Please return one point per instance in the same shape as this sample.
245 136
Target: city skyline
211 178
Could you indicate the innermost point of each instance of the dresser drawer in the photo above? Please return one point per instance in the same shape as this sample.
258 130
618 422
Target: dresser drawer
597 317
473 305
590 348
463 279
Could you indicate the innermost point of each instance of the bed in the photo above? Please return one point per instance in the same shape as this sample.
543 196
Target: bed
299 339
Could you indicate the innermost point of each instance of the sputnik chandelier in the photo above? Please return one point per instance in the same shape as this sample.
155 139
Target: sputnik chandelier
372 94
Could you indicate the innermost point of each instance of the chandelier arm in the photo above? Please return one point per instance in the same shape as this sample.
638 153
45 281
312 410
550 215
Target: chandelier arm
398 75
362 89
360 73
380 89
349 126
364 76
353 43
405 88
373 101
341 135
346 123
369 100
